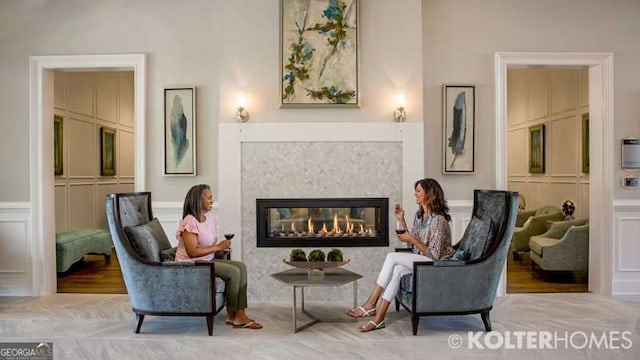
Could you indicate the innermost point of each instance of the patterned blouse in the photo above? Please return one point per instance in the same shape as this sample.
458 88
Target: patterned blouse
435 233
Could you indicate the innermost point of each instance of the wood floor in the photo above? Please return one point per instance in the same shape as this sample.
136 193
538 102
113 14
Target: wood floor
94 276
522 279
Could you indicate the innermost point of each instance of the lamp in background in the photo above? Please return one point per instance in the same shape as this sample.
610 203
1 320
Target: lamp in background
241 112
400 115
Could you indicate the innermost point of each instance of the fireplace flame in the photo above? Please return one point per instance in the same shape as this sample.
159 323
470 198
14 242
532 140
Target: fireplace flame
310 226
336 228
324 228
293 227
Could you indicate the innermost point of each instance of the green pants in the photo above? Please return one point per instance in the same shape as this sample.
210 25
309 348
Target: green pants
234 274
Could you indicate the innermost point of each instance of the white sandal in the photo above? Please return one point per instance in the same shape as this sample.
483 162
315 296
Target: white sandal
376 326
365 312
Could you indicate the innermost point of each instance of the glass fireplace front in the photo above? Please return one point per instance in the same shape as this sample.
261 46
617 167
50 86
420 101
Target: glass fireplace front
337 222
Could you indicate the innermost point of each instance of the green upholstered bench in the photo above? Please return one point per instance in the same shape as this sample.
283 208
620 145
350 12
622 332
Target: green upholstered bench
72 246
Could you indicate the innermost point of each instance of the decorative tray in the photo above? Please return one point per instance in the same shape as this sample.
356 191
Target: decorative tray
315 264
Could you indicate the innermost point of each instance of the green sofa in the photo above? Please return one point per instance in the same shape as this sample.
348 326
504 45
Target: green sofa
532 223
71 246
564 247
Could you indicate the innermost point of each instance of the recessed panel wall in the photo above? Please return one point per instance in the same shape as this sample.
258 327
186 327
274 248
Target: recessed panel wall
79 92
563 147
555 98
106 97
81 206
88 101
538 94
82 149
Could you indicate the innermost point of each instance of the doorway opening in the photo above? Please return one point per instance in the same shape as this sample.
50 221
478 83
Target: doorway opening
600 79
93 156
43 259
547 137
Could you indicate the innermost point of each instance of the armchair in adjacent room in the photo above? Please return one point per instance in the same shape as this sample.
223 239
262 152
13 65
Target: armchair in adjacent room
532 223
157 287
459 287
564 247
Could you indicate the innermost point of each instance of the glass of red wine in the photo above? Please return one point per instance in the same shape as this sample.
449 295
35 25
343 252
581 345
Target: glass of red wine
400 229
228 235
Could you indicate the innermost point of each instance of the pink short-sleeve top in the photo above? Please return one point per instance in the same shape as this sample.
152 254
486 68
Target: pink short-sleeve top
207 233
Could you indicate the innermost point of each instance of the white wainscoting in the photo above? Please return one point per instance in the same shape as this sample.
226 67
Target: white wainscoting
16 272
626 272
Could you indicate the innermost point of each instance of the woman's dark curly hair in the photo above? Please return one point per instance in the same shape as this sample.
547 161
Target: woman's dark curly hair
435 198
193 201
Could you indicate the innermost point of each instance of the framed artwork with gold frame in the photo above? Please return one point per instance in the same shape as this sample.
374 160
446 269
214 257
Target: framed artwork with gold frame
58 145
107 151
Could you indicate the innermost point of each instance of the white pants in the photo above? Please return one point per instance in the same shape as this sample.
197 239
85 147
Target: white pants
396 264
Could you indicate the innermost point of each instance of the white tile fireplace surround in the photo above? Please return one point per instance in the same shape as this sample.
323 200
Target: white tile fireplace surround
284 160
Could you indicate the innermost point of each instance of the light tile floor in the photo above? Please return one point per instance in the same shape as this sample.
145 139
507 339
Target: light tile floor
100 327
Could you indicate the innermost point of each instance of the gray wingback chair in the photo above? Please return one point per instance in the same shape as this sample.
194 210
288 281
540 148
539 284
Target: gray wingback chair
156 287
459 287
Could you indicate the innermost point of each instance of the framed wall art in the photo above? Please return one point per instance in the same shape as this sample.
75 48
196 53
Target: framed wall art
107 151
180 131
58 146
319 55
458 129
537 149
585 143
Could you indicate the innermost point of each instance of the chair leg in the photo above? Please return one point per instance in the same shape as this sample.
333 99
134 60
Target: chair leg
415 319
397 304
107 258
516 256
486 320
210 324
139 320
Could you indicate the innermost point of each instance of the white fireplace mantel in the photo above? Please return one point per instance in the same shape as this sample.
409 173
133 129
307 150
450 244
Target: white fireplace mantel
233 135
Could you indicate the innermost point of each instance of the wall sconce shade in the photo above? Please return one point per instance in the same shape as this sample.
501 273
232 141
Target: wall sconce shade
400 115
242 114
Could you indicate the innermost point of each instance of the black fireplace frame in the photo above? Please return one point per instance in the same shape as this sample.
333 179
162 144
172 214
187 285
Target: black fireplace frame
382 214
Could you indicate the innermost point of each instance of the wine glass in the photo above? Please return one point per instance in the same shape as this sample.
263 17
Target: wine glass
228 235
400 229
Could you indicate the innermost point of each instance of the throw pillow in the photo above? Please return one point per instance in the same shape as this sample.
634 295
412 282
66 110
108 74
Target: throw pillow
460 254
148 239
168 254
475 237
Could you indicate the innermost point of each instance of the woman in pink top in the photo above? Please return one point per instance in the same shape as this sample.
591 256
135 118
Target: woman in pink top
197 237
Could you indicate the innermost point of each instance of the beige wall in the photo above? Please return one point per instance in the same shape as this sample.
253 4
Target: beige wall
88 101
556 99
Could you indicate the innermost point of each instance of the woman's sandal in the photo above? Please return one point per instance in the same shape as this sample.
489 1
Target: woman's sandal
376 326
250 325
365 312
228 322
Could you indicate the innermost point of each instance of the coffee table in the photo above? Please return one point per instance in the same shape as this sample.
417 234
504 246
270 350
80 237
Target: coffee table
298 278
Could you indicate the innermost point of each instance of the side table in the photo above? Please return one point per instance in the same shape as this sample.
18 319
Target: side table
298 278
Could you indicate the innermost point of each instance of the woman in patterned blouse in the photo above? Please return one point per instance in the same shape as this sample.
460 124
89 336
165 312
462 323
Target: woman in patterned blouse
429 238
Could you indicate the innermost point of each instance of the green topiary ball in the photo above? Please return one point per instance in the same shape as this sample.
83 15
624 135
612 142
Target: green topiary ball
316 255
335 255
297 255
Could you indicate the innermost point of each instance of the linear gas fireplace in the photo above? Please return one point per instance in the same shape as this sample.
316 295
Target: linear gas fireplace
337 222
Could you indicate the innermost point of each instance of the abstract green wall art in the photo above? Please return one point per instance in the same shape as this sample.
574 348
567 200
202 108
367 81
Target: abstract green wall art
319 53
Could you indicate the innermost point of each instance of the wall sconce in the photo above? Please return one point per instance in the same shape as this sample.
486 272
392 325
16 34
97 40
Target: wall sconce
400 115
242 114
